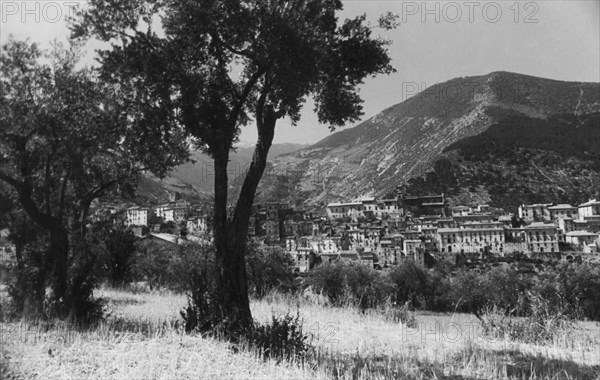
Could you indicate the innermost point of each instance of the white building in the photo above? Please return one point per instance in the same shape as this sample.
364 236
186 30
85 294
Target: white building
589 208
353 210
137 216
471 239
535 212
537 237
562 211
581 238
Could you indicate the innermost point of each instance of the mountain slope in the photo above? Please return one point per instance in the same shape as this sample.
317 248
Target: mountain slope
406 140
195 180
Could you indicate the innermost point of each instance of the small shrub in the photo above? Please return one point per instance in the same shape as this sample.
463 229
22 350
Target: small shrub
399 314
268 268
542 326
202 312
351 284
282 340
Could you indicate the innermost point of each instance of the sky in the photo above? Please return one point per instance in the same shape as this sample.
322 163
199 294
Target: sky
434 42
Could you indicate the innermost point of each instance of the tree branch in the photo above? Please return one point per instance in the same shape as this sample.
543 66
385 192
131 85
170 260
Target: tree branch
11 181
235 112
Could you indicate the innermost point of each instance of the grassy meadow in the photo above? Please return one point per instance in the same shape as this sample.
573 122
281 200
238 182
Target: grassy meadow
143 339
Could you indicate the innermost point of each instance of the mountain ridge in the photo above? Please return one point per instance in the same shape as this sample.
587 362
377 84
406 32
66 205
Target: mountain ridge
405 140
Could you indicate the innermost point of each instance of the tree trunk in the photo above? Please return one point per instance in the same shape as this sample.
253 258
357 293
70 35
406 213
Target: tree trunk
231 233
58 252
229 251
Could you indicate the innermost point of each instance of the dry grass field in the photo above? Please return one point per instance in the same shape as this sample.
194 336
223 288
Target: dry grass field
143 339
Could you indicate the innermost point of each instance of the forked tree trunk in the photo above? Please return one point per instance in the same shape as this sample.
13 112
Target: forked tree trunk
230 233
229 251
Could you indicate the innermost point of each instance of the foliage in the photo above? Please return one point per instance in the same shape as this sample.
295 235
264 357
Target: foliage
540 327
202 312
116 256
350 283
65 140
237 61
570 290
163 264
403 314
282 340
410 284
509 164
268 268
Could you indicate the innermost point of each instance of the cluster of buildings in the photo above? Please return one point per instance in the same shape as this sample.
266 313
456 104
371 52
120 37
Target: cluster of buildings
384 232
181 215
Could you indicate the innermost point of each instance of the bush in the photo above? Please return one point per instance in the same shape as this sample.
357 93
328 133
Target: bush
411 284
283 339
267 269
119 250
202 312
540 327
27 285
168 265
151 263
399 314
351 283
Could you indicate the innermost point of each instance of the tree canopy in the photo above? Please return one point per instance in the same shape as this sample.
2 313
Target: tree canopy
210 67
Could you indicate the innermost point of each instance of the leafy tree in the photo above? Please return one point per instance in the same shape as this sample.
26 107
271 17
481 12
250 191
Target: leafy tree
212 66
120 249
268 268
65 140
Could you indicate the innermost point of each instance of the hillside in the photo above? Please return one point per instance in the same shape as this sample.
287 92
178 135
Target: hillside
493 133
195 180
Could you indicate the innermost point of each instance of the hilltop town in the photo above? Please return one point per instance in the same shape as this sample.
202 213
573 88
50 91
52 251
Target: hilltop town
382 232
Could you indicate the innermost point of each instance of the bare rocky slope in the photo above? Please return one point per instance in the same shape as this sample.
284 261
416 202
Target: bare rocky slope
462 137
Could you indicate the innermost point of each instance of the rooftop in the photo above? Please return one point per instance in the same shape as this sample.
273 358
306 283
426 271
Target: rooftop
580 233
561 206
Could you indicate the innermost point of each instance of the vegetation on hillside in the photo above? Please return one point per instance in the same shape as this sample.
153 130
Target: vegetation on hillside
521 160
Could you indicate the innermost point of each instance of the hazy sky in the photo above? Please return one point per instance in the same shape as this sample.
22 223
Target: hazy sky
436 41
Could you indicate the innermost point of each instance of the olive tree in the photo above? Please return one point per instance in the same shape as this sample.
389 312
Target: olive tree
215 66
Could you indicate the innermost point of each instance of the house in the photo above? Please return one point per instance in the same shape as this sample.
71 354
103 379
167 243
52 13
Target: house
562 211
424 205
369 206
138 216
271 228
389 251
566 225
535 213
197 225
304 258
414 249
581 239
589 208
291 228
461 210
387 207
459 220
483 209
536 237
593 222
354 210
474 239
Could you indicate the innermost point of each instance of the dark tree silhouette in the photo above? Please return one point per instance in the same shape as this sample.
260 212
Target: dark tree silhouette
213 66
65 140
